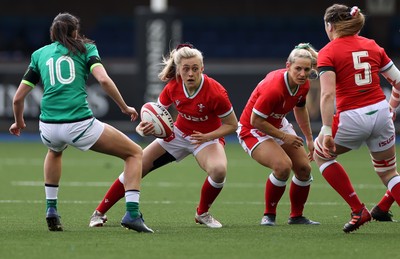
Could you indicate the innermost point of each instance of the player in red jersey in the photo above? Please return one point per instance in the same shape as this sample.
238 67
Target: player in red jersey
267 136
349 68
205 116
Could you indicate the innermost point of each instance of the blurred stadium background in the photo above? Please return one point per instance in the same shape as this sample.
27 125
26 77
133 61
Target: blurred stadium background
241 42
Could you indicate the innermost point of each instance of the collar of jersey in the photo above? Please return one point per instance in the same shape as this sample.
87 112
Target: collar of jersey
286 77
197 90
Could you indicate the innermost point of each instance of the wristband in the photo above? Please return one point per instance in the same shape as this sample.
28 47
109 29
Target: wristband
140 132
326 130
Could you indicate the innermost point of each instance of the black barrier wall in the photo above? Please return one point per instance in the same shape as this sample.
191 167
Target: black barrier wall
239 78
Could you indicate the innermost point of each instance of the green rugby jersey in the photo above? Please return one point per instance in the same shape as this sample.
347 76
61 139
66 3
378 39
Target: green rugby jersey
64 79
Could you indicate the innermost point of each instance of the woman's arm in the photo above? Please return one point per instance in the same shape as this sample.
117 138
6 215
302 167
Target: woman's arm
111 89
18 108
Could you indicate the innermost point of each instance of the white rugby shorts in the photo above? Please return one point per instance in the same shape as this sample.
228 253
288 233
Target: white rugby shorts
81 134
372 125
180 145
249 139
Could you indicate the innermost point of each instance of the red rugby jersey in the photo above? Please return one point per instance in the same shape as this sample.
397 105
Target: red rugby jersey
357 62
272 99
203 110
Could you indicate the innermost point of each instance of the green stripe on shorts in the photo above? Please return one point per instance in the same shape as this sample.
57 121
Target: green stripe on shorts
83 132
371 112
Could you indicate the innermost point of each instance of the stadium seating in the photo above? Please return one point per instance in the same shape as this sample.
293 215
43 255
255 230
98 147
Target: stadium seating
217 36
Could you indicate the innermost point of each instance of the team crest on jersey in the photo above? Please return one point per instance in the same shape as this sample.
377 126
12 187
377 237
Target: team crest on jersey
201 107
177 102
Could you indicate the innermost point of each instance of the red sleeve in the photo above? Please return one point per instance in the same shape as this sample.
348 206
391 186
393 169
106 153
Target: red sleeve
324 57
268 97
385 58
165 96
223 103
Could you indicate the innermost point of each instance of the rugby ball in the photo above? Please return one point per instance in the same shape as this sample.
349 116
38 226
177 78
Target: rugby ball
160 117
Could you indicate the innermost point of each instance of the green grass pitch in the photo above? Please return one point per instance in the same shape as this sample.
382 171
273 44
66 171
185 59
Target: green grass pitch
168 200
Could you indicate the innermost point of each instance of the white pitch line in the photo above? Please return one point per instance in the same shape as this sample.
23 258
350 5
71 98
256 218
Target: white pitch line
181 185
169 202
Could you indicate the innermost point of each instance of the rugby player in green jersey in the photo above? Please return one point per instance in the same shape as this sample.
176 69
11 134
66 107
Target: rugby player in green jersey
66 119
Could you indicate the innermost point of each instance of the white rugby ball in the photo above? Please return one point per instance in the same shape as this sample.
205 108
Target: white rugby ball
160 117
